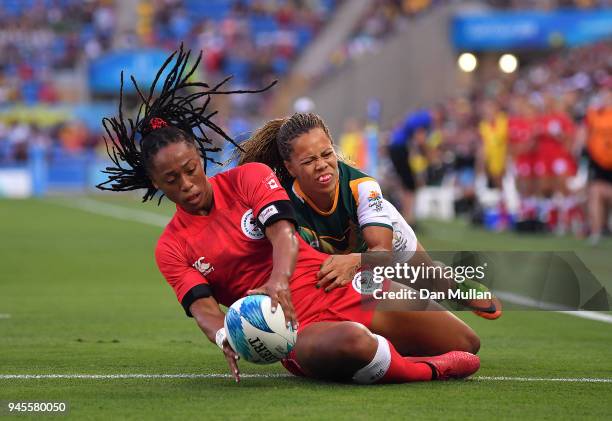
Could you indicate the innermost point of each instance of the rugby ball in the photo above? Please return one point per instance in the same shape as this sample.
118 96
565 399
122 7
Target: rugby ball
255 333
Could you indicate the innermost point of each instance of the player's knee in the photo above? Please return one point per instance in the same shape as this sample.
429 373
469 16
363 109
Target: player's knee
355 342
470 342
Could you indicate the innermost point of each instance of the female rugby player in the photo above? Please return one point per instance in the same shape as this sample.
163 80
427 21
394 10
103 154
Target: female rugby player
234 234
341 210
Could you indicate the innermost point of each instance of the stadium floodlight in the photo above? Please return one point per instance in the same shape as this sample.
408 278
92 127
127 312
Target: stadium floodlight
303 105
508 63
467 62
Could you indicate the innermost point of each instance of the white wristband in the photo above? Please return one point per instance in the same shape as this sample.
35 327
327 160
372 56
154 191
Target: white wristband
220 337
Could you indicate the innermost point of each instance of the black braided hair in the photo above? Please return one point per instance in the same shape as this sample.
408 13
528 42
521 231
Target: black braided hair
272 143
173 116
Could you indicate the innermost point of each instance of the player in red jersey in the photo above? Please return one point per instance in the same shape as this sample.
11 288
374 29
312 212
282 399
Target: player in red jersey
555 132
523 151
233 234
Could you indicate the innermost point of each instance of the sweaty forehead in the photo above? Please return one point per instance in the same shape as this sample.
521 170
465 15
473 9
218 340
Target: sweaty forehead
314 142
173 156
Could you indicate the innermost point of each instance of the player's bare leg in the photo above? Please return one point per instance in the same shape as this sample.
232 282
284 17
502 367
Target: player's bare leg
431 332
334 350
421 327
343 351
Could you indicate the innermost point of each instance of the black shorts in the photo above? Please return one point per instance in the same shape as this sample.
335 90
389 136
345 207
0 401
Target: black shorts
399 157
598 173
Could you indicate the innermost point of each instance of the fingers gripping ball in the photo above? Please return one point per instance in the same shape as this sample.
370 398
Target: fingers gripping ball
255 333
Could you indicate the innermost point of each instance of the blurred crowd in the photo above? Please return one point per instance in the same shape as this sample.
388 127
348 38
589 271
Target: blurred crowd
529 151
540 135
59 140
385 17
381 19
41 37
254 40
547 4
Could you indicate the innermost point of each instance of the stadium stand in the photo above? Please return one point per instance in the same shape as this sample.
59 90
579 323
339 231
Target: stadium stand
259 40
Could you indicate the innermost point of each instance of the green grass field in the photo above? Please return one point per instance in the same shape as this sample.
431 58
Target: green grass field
80 294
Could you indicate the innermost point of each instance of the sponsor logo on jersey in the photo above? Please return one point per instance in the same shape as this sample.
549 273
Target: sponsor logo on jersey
249 226
375 200
265 214
201 266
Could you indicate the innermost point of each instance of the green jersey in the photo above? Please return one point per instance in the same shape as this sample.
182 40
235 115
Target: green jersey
358 203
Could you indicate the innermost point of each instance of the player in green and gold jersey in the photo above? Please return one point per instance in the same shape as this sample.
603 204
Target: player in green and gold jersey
340 210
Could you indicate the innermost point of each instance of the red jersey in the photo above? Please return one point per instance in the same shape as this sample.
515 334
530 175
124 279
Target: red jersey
520 129
552 155
226 249
552 128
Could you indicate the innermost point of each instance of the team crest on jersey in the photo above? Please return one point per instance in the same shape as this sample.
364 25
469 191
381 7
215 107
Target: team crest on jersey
249 226
400 242
375 200
363 282
201 266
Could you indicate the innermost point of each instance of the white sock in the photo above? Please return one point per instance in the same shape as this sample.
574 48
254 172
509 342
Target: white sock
379 365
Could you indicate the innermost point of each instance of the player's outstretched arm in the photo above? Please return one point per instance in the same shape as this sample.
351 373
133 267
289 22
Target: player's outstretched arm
209 318
284 255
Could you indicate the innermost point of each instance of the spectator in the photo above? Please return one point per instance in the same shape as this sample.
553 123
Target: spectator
493 129
599 147
400 148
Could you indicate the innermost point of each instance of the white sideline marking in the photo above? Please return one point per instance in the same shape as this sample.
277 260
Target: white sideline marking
5 316
542 305
542 379
115 211
264 376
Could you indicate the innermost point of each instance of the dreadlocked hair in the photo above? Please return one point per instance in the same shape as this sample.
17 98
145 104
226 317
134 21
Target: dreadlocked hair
272 143
172 117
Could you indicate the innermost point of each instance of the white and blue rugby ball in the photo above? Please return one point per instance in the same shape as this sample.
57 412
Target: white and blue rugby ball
255 333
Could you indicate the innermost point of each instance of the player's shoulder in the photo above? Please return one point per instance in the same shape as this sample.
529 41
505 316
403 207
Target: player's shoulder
354 183
252 169
244 172
350 173
351 177
242 169
170 238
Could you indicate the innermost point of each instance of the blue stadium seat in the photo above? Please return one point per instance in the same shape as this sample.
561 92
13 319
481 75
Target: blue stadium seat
29 92
304 36
211 9
280 65
237 67
261 24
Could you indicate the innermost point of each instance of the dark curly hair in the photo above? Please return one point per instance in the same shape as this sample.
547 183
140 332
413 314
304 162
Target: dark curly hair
173 116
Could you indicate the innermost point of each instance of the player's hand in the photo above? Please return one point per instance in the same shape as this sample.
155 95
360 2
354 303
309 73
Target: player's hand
279 293
338 270
232 360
